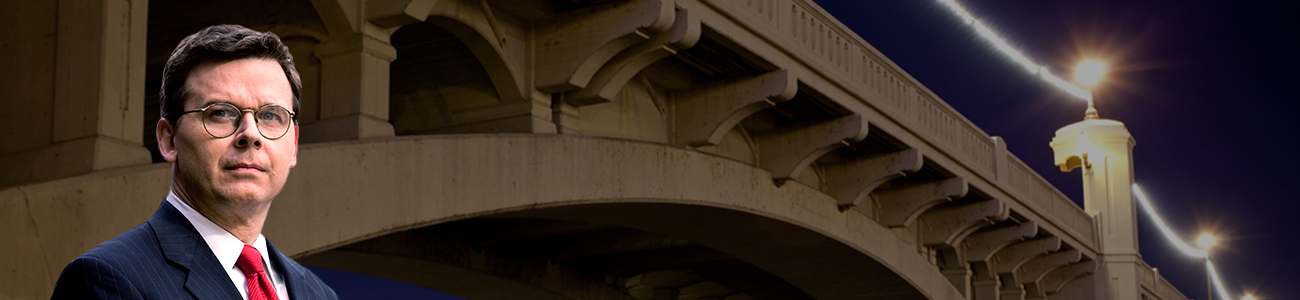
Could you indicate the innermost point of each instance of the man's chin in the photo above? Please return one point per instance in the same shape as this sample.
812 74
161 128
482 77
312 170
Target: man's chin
245 192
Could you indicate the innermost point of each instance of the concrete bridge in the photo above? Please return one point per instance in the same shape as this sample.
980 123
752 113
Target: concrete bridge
558 149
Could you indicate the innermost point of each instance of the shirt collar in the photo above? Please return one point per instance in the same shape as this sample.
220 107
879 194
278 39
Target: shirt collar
223 244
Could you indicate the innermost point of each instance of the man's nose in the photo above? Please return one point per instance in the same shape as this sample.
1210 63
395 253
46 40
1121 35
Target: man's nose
247 134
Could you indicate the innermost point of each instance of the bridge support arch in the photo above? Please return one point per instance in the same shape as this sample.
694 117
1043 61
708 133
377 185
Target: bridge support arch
654 188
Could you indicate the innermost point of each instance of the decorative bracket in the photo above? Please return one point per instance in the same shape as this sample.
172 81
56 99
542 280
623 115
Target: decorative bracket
1033 271
1012 257
707 111
394 13
981 245
605 84
579 43
1063 275
901 205
850 181
947 226
787 151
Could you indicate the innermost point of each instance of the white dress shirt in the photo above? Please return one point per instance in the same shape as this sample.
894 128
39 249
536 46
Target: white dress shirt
227 248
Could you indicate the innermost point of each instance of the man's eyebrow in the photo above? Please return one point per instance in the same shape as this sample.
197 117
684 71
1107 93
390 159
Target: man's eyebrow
215 101
210 102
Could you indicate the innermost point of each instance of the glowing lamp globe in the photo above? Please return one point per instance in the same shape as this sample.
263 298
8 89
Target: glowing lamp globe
1089 72
1205 241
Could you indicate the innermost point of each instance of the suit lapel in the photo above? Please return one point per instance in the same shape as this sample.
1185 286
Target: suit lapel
182 245
293 278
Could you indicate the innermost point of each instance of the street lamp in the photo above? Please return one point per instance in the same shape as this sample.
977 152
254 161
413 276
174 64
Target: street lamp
1206 241
1089 73
1248 297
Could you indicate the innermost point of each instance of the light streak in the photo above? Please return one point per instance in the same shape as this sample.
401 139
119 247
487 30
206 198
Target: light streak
1064 86
1011 52
1218 284
1182 246
1160 223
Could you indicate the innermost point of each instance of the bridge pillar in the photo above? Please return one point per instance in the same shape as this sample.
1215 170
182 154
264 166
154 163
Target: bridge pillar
1103 148
351 107
77 90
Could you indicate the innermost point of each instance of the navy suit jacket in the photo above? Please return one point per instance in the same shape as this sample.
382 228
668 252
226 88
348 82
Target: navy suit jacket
166 258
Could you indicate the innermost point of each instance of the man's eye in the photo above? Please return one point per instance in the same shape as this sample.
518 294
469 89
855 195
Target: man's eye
268 116
222 113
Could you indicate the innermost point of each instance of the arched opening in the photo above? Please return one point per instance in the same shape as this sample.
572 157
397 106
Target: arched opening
632 250
436 84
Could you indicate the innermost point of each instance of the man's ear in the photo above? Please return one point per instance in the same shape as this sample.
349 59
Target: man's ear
166 134
294 162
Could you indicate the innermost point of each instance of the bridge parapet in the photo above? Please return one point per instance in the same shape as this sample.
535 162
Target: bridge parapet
1154 284
1032 189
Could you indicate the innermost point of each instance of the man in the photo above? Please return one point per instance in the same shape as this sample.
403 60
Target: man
229 132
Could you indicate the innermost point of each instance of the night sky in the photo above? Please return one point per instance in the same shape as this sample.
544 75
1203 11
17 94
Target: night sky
1205 87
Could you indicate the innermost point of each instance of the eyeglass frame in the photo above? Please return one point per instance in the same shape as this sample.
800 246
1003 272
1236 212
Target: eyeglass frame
293 116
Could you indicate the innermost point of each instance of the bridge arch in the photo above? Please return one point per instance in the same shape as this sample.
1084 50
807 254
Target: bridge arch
721 205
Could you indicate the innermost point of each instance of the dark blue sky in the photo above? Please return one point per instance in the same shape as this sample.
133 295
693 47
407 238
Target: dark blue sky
1205 87
350 285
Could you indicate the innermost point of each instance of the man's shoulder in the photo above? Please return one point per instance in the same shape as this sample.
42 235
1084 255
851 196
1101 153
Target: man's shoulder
131 246
136 252
130 265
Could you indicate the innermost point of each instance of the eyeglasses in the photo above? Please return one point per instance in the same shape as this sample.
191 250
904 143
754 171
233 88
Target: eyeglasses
221 120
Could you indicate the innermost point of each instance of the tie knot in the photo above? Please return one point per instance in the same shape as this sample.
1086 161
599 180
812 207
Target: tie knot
250 261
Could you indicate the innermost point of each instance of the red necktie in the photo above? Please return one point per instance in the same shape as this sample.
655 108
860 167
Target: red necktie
259 285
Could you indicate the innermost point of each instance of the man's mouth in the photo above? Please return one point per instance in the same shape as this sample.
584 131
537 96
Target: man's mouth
245 167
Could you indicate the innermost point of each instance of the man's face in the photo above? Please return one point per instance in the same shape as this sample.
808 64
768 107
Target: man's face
245 167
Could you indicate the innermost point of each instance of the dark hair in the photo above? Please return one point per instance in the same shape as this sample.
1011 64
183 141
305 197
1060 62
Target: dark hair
220 43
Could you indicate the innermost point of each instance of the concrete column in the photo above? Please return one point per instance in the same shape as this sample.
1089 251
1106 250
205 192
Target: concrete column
960 279
97 115
354 88
984 289
1103 149
566 116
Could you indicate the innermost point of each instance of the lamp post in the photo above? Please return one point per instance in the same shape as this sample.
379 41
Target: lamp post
1206 241
1103 150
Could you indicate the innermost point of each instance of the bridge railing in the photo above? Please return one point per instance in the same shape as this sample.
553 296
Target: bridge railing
1032 189
1156 285
855 65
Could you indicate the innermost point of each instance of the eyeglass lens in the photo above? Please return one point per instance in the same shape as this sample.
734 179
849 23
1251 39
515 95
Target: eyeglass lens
221 120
